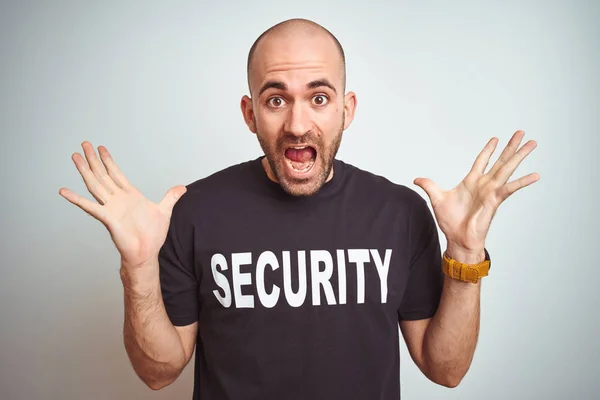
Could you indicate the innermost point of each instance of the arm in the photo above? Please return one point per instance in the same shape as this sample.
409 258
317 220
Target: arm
158 350
443 346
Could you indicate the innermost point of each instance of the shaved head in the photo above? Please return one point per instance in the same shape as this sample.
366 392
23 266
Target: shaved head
289 29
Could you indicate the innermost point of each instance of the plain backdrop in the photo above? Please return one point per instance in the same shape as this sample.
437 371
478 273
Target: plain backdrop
159 84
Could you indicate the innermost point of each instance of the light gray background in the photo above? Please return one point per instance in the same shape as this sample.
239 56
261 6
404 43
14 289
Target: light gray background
159 84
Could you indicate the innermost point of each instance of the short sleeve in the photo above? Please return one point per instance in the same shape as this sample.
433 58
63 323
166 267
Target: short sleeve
178 281
425 279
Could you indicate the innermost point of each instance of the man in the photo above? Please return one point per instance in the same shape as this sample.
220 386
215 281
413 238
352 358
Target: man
290 273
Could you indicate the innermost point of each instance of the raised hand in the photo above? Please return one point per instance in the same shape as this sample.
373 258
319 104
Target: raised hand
465 213
137 226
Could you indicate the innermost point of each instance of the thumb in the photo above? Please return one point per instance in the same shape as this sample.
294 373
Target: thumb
432 190
171 197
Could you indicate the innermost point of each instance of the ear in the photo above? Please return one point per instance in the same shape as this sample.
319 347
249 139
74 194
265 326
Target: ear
248 113
349 108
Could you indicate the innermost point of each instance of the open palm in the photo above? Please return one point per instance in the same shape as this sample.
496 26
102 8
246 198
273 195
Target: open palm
465 213
137 226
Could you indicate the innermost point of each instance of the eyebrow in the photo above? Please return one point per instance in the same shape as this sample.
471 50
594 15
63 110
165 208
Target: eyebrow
282 86
321 83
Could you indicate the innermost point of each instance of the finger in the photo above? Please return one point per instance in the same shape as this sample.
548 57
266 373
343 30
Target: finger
433 191
95 188
509 150
517 184
93 209
505 172
97 168
171 197
483 159
113 170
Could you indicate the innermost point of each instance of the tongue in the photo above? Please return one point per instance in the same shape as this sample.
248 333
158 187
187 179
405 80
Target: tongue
300 155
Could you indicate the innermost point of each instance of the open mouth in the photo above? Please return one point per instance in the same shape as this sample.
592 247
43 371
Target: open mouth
300 159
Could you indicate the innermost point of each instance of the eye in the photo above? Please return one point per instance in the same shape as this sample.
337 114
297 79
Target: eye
320 100
276 102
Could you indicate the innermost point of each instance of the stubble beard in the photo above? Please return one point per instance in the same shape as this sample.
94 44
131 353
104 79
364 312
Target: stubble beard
326 155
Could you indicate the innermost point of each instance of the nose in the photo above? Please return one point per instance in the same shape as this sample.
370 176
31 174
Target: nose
298 120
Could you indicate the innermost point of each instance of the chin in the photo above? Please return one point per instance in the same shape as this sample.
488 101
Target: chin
302 180
300 189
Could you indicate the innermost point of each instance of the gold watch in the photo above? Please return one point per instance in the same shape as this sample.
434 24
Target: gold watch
466 272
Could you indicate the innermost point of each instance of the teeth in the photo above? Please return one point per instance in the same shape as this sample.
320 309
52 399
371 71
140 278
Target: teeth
293 165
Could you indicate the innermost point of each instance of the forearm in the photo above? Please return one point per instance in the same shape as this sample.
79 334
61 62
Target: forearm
451 337
152 343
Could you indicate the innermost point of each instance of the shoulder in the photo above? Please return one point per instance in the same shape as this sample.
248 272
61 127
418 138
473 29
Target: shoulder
234 174
377 186
215 188
394 200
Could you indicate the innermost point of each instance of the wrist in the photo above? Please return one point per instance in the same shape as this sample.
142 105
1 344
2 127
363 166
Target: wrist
465 256
141 276
468 266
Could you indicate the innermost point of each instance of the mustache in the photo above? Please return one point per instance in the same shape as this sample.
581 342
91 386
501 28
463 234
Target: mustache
308 138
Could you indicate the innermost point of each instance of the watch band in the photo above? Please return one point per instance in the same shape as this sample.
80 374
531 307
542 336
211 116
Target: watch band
466 272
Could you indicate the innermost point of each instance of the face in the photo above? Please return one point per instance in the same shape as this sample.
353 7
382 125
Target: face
298 110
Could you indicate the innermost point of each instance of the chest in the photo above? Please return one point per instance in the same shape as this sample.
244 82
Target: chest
300 258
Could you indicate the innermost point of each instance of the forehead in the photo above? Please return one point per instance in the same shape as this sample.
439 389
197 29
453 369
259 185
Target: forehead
296 60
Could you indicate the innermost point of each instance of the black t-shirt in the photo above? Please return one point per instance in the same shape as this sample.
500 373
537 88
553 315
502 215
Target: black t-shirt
299 297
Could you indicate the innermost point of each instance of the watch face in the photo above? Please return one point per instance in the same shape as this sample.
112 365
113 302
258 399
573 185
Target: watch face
487 257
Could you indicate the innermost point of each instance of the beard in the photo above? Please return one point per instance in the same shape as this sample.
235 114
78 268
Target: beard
324 157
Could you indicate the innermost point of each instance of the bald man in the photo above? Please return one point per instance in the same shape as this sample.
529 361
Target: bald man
289 274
